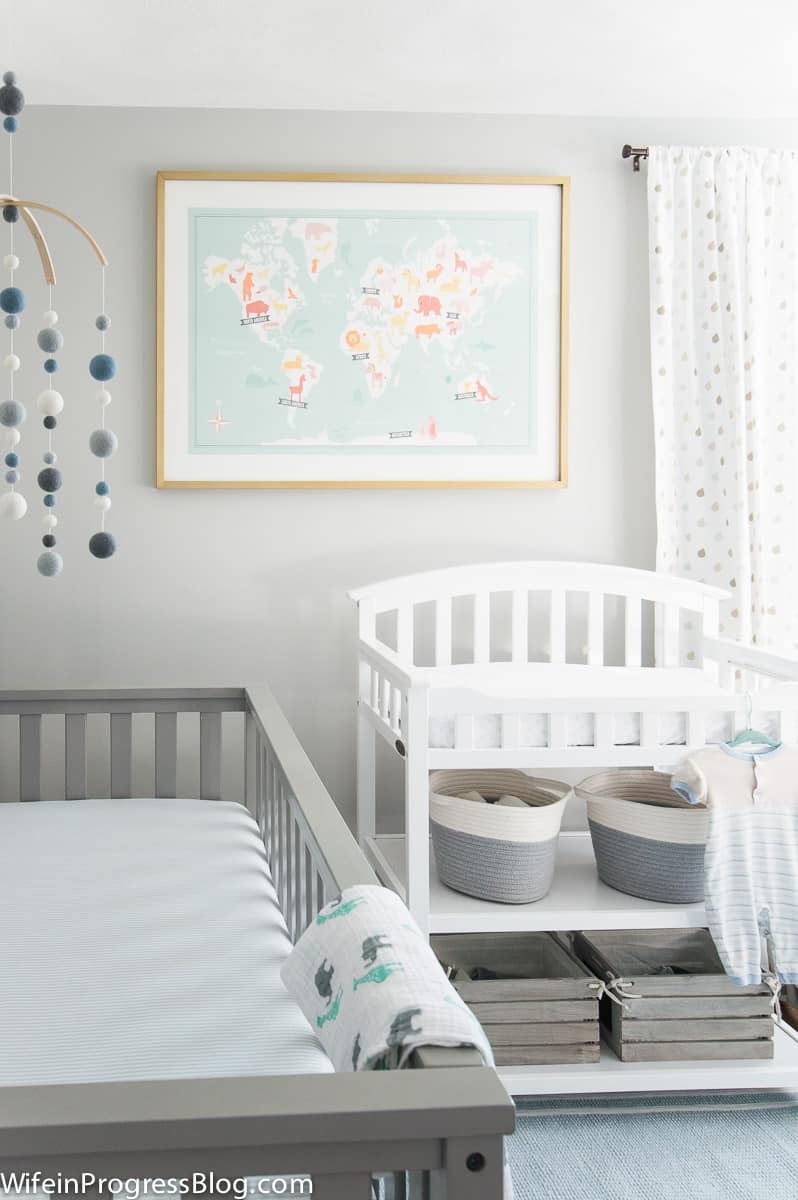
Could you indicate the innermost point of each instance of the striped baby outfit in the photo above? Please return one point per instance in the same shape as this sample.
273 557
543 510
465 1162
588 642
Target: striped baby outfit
751 863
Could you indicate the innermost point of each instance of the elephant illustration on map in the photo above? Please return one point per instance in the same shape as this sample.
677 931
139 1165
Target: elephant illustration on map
429 306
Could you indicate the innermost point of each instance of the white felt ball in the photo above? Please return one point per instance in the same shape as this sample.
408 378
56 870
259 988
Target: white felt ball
50 403
11 262
13 506
49 520
50 317
13 437
102 502
12 362
104 397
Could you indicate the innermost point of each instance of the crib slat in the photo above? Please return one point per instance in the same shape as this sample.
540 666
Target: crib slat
443 632
557 627
30 757
633 632
482 627
595 629
75 756
520 626
121 755
210 756
299 882
309 873
165 754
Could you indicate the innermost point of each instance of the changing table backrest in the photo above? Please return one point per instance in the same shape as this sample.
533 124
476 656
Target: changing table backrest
670 595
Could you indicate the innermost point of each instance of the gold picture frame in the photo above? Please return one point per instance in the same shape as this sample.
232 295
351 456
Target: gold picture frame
168 277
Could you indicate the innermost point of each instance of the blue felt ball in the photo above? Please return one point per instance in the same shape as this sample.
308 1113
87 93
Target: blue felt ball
12 321
49 422
49 340
103 322
102 367
102 443
50 563
12 476
51 366
12 300
12 100
12 459
10 213
102 545
102 488
12 413
48 540
10 77
49 501
49 479
11 124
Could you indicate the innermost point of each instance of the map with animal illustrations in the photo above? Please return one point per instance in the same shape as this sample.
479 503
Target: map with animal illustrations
320 332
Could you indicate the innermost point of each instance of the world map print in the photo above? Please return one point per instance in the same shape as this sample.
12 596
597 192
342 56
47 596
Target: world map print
337 332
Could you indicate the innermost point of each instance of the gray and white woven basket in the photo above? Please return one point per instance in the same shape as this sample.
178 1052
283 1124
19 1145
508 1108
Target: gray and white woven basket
496 852
648 841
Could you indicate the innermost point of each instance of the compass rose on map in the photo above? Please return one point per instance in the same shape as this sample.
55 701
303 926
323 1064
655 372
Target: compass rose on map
218 421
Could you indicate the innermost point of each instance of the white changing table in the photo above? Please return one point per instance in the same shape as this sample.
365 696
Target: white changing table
499 709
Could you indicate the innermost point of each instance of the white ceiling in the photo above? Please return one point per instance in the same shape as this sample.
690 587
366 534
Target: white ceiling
670 58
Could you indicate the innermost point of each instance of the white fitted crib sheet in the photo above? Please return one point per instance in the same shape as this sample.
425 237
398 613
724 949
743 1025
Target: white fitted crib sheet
142 939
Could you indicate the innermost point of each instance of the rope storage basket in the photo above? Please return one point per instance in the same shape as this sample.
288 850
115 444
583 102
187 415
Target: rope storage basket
491 851
648 841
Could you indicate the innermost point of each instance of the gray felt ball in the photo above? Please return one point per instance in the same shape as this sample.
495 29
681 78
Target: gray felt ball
103 322
12 413
9 77
102 545
49 340
12 321
49 479
102 443
50 563
12 101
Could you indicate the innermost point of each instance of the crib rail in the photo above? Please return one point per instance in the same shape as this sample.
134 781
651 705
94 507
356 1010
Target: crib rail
311 852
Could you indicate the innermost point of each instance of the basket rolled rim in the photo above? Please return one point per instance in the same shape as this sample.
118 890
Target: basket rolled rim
538 793
636 786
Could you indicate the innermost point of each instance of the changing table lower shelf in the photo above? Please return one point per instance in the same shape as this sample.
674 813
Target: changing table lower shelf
610 1075
577 900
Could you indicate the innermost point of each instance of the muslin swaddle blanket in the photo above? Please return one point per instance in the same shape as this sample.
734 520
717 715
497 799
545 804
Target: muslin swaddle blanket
372 989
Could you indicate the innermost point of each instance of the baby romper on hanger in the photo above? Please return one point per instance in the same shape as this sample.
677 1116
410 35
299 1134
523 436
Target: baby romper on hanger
751 863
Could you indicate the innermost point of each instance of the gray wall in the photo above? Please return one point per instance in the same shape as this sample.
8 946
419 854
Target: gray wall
222 587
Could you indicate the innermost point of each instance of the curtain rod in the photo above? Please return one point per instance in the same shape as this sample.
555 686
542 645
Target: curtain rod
635 153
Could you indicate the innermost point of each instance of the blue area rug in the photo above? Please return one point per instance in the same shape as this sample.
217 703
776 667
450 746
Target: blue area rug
706 1147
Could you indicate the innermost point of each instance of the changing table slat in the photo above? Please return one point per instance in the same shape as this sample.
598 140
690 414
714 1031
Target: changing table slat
595 629
210 756
165 754
557 627
481 627
520 626
443 632
633 631
30 757
121 754
75 756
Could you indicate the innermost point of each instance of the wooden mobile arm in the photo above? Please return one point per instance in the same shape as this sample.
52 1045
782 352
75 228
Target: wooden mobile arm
24 207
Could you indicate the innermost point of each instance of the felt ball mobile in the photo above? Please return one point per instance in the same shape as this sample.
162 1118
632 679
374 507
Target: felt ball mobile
50 341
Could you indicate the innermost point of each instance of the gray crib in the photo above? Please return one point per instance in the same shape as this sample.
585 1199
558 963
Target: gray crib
434 1131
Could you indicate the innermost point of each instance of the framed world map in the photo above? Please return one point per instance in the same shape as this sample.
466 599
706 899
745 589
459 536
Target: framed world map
361 331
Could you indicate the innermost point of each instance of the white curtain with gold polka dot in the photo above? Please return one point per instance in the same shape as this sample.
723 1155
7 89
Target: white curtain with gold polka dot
723 230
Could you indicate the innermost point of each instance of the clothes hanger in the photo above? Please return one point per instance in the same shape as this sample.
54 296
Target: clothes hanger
749 735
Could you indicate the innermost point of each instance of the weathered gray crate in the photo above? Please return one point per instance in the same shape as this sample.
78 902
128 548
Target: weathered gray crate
678 1003
539 1008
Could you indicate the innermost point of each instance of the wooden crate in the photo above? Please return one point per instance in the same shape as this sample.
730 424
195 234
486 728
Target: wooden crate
539 1006
695 1012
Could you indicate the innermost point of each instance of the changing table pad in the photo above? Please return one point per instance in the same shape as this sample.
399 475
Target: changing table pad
548 681
142 939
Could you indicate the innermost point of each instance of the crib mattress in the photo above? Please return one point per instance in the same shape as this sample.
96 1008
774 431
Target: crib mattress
142 939
564 681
